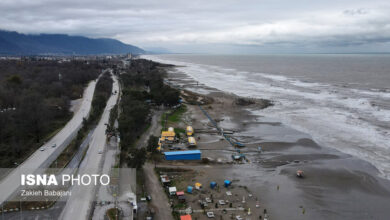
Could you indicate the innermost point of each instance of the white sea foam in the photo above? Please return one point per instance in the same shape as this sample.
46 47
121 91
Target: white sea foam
337 117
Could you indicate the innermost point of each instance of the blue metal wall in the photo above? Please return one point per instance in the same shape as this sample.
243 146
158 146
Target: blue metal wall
194 156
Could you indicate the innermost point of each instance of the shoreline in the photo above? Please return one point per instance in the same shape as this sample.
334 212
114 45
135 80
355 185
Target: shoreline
343 118
332 176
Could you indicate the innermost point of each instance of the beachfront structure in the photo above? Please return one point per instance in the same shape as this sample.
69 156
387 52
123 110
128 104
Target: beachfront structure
180 193
185 217
172 190
183 155
165 180
190 131
191 141
181 198
167 136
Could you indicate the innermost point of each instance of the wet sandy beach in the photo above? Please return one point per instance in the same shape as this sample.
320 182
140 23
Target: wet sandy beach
336 185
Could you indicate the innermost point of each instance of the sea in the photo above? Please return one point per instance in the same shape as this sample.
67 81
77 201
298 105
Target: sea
341 100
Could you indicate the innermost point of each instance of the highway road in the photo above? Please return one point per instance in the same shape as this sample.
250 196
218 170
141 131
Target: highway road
79 205
54 211
118 192
41 159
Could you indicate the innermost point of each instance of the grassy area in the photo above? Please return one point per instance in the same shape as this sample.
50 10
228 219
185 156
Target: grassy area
180 130
113 115
177 114
66 156
112 213
173 117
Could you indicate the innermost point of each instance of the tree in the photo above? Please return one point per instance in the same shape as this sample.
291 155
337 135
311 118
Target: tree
138 158
33 115
14 80
152 143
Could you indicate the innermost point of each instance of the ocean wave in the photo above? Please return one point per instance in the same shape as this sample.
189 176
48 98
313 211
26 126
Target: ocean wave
339 117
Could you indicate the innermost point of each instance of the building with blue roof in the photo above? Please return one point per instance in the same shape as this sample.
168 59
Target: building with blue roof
183 155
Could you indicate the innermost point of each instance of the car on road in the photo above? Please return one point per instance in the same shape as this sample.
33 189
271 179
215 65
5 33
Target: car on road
54 145
42 149
100 152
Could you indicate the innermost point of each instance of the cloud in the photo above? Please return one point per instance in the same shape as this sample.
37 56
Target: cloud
200 22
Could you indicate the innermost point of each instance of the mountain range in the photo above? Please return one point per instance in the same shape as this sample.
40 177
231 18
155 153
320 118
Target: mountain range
14 43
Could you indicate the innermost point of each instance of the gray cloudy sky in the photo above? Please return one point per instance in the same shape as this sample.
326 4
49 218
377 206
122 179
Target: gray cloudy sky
225 26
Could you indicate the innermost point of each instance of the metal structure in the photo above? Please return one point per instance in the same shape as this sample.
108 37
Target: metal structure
217 127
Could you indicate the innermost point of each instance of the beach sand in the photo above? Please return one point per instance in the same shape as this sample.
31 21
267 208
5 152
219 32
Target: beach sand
335 186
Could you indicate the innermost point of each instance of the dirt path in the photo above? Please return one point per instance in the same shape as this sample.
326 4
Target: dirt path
159 200
154 129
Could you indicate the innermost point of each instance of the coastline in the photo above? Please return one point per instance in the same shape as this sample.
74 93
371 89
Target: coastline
340 116
331 178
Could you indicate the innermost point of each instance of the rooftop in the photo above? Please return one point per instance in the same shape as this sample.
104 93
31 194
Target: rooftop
183 152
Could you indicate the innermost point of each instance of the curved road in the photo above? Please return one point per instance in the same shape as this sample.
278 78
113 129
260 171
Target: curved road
42 159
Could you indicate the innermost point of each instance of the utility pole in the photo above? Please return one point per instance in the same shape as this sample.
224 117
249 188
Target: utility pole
21 211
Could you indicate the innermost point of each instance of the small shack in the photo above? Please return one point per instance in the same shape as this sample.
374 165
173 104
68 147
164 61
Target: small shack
191 142
227 183
183 155
190 131
190 189
180 196
180 193
213 185
168 136
185 217
165 180
172 191
160 141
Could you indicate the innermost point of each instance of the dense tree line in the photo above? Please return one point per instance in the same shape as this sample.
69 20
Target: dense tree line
34 102
142 85
102 93
150 75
